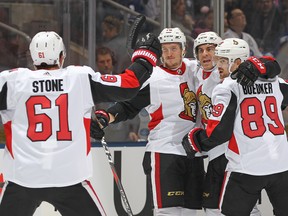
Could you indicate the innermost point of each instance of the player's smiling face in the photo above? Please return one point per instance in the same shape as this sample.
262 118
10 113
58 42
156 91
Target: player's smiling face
205 56
171 55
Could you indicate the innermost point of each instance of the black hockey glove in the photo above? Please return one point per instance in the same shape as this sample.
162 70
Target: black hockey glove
249 71
190 143
97 126
147 49
95 131
103 118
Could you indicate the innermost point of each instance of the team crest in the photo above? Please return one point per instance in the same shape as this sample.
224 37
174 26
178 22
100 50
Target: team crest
190 103
205 106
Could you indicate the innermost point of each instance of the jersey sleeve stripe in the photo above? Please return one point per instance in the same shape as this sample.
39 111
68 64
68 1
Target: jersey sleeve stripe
129 80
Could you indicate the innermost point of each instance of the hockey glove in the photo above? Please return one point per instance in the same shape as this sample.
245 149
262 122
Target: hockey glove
249 71
97 126
95 131
103 118
272 67
191 144
147 50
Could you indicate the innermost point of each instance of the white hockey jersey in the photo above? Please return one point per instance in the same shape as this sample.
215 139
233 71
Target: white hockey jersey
251 119
210 79
170 99
46 116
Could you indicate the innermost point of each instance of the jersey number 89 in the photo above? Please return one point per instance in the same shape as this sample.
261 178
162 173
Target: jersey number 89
252 114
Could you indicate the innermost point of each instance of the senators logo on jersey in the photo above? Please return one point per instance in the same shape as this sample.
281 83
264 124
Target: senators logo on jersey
190 103
205 106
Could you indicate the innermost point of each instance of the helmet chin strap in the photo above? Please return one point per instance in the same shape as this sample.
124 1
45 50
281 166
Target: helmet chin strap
61 61
183 52
229 68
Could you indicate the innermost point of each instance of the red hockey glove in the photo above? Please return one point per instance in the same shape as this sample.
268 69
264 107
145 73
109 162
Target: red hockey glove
190 144
147 50
272 67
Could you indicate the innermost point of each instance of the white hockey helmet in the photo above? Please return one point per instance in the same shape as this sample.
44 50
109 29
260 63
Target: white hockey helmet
206 38
46 47
233 48
173 35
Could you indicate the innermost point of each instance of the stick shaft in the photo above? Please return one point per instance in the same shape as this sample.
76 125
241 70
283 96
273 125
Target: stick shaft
116 178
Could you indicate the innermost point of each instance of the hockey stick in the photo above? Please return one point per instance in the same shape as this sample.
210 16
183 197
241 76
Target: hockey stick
116 178
134 32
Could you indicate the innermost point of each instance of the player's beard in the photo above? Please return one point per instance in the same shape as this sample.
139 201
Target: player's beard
173 64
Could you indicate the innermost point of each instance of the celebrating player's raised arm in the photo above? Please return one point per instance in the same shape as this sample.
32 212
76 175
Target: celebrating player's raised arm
146 53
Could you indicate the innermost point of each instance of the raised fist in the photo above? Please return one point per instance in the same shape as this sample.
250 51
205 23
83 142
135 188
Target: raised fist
149 48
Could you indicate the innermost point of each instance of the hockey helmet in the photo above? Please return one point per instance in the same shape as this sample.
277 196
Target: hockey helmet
46 47
206 38
233 48
173 35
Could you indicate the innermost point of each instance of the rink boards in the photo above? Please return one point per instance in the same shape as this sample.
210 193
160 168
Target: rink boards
128 161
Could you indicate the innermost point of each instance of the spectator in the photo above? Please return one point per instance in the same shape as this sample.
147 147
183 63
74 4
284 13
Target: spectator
236 24
282 57
225 22
152 9
201 7
180 18
285 15
105 60
204 24
9 50
113 39
266 26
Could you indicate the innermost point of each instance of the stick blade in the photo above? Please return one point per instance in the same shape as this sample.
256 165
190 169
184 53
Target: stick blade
135 30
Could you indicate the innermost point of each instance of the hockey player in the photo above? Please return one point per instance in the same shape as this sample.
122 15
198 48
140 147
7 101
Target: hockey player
239 52
46 115
204 51
246 117
175 181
